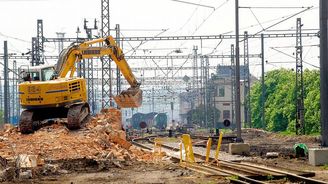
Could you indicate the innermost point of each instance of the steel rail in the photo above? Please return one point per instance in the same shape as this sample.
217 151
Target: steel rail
241 167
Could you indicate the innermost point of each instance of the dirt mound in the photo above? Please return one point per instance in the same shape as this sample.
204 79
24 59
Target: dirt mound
102 137
262 141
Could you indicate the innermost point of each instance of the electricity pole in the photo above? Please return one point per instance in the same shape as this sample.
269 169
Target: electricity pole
323 71
237 76
6 86
263 86
299 125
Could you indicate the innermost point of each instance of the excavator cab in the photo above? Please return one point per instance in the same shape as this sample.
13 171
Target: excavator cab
37 73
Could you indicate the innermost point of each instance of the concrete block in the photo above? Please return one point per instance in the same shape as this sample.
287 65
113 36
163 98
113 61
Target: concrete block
24 175
239 149
318 156
272 155
26 161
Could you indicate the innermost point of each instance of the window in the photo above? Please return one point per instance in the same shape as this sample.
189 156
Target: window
221 91
47 73
35 76
226 114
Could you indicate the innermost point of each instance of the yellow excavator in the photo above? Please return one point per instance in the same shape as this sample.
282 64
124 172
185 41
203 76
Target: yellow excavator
49 92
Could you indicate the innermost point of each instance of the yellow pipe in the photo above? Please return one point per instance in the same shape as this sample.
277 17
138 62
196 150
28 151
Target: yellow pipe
187 142
180 145
208 149
219 146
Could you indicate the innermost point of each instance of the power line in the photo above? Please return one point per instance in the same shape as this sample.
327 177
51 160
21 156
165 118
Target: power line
293 46
214 50
267 21
284 19
285 30
293 57
274 7
188 20
202 23
144 29
143 42
196 4
256 18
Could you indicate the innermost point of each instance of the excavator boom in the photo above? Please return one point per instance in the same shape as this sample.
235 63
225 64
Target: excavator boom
129 98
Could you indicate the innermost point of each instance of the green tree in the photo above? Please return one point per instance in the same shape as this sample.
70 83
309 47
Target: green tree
280 104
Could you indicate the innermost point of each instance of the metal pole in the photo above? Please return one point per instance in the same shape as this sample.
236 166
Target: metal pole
323 71
14 93
195 70
106 82
39 43
262 80
202 87
247 104
79 64
1 94
153 99
237 106
233 84
118 73
6 110
205 89
214 108
300 124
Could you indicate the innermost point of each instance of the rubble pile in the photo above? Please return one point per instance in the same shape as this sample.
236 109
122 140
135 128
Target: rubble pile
102 138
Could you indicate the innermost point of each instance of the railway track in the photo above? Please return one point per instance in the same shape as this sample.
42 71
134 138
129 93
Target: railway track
235 172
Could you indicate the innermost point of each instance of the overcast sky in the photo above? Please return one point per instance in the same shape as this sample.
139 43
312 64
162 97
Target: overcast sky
18 24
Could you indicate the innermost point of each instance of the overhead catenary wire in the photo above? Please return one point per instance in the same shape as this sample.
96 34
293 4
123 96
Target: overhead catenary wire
291 29
202 23
181 66
196 4
294 57
264 22
188 20
277 23
142 42
214 50
274 7
293 46
256 18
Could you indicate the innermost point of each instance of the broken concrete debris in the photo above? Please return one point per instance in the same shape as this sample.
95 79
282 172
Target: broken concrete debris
54 149
26 161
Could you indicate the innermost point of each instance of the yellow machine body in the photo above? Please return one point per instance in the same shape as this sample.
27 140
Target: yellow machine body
53 93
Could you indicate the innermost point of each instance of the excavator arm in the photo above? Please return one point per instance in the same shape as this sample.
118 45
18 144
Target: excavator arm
74 54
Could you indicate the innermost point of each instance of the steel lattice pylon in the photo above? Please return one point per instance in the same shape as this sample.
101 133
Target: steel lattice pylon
33 52
89 73
299 88
39 44
106 63
247 104
118 73
233 84
195 70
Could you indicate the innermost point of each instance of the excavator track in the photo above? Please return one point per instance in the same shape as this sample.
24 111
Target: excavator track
26 122
76 115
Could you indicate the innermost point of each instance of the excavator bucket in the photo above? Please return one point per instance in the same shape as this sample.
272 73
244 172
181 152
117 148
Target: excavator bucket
129 98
